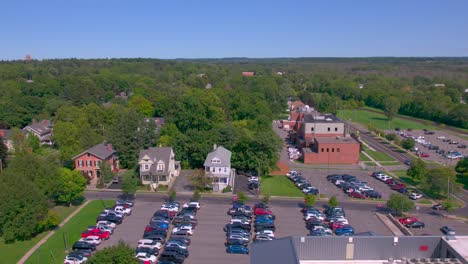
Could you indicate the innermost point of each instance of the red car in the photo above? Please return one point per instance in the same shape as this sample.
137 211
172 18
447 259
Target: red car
357 195
262 211
424 155
171 213
398 186
336 225
408 220
391 182
104 235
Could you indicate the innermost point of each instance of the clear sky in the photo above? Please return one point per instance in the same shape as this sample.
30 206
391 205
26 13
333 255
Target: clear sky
232 28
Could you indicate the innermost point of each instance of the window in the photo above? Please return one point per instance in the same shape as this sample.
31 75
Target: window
89 163
146 166
162 178
333 149
225 169
336 129
90 173
160 167
213 170
223 180
207 169
338 150
328 129
312 129
80 163
322 150
328 149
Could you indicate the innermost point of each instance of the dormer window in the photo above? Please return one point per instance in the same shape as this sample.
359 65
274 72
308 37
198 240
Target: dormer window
160 167
215 160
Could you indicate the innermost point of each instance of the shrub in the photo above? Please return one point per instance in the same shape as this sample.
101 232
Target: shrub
196 195
227 189
391 136
266 199
333 202
241 197
309 200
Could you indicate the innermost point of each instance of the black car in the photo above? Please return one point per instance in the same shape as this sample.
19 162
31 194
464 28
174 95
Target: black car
181 232
461 146
172 256
334 177
438 207
236 225
407 162
185 219
432 147
81 252
152 251
110 218
253 185
84 245
397 129
373 194
264 226
233 241
417 224
182 251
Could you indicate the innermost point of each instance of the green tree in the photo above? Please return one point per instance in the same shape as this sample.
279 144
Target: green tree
407 143
462 166
106 172
266 199
129 183
310 199
241 197
118 254
449 205
333 202
172 195
399 203
51 221
440 179
199 180
418 170
23 207
71 186
3 154
391 107
196 195
141 105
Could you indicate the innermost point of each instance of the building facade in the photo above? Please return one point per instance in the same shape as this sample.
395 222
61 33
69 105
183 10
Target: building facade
218 168
158 166
89 161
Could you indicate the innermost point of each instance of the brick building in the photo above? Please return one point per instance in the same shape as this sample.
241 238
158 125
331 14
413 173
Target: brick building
88 162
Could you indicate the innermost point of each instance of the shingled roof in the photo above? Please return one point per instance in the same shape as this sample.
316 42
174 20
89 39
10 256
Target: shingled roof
157 154
102 151
222 154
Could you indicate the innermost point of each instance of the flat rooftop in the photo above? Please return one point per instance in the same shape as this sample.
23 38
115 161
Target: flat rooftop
325 118
460 245
336 140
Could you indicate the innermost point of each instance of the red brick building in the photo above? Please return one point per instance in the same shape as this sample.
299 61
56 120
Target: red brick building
332 150
89 161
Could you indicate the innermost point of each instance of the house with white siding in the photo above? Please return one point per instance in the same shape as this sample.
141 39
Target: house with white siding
218 168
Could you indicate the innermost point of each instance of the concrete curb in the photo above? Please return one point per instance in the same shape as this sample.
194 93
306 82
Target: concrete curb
389 224
44 239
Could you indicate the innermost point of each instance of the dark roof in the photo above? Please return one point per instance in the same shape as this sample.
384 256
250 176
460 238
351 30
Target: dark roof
278 251
222 154
157 154
102 151
313 118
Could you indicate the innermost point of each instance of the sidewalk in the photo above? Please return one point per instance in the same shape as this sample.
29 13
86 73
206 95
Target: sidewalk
43 240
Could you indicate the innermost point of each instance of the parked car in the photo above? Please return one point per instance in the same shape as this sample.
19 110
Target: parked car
416 224
192 205
407 162
106 223
237 249
408 220
262 211
76 259
152 251
461 146
79 245
110 218
234 241
144 256
182 251
103 235
424 155
345 230
91 239
125 202
448 230
415 196
438 207
358 195
149 243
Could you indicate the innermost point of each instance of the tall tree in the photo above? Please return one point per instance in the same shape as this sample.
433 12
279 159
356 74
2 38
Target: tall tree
118 254
418 170
441 179
391 107
462 166
399 203
129 183
71 186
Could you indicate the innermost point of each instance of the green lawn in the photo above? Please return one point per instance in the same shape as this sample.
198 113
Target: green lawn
379 156
53 251
279 186
390 163
369 163
11 253
363 157
379 120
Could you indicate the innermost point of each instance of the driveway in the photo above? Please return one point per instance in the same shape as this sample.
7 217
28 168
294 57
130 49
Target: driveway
182 181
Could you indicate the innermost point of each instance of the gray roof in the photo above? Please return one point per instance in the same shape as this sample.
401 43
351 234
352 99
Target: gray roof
222 154
102 151
157 154
42 127
278 251
327 118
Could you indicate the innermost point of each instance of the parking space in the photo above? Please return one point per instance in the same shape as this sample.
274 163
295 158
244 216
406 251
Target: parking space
131 229
317 178
241 184
433 222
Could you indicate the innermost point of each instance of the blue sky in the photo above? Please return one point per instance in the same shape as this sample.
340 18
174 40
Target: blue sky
232 28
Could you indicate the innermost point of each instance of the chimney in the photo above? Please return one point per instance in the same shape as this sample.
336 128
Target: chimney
2 133
214 146
109 147
45 122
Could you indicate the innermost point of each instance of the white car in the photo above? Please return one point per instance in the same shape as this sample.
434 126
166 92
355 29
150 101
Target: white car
189 231
92 240
253 178
233 236
123 210
340 220
326 230
105 228
266 233
149 243
170 208
144 256
106 223
415 196
291 173
242 221
318 216
75 260
184 227
440 137
192 204
111 211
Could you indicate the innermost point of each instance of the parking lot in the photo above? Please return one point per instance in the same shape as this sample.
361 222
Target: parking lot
433 156
317 178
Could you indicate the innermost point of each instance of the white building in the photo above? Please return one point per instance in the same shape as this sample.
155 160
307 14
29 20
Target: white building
218 167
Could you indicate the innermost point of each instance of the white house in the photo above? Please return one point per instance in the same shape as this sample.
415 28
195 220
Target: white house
218 167
42 130
158 166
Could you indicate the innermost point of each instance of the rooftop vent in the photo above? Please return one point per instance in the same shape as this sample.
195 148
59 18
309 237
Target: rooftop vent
328 119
